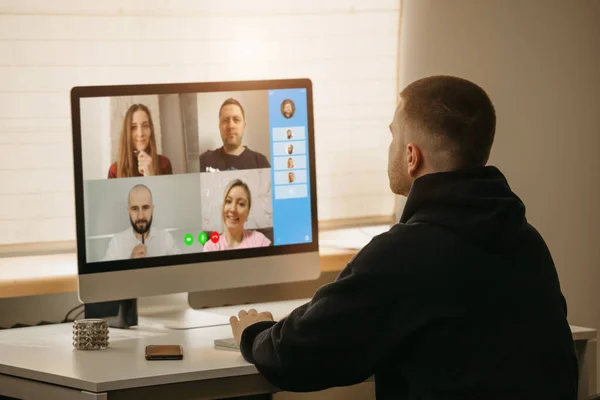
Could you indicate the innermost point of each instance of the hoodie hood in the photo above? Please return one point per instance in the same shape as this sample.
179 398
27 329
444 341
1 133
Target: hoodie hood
475 203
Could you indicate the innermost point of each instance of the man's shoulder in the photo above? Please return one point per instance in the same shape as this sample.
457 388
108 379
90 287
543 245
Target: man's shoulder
261 160
123 234
384 241
208 153
400 242
211 153
251 153
158 231
162 233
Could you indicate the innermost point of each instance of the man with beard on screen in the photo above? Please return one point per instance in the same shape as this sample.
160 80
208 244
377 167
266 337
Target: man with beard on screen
141 239
233 155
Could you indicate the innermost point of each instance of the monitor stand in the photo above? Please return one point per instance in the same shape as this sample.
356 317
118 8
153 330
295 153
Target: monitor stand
174 312
119 314
170 312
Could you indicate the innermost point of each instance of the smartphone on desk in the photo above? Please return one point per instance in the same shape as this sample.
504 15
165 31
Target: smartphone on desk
164 352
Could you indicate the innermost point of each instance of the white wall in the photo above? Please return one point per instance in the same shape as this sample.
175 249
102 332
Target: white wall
347 47
540 62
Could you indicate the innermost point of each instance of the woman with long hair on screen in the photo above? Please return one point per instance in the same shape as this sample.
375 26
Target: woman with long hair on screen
137 154
236 208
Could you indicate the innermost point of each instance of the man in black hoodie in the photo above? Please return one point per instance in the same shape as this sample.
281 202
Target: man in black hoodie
459 300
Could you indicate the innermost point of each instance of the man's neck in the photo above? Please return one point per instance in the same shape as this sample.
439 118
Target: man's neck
234 151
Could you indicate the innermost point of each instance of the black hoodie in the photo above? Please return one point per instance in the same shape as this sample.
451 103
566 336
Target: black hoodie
460 300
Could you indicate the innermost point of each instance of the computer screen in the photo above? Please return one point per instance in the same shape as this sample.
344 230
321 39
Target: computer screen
194 174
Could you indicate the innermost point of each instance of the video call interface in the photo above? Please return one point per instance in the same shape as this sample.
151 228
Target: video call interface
184 173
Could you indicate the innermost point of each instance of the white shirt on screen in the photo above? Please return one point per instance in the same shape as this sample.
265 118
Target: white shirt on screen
158 243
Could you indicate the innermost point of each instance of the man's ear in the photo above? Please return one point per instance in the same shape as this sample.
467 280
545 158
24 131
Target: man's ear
414 159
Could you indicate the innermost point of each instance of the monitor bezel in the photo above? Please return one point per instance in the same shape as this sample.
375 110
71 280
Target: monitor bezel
80 92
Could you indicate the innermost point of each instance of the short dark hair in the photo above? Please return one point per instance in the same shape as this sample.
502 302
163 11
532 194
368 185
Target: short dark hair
232 101
456 113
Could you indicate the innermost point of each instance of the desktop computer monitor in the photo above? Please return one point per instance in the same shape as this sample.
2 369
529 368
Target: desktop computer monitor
189 187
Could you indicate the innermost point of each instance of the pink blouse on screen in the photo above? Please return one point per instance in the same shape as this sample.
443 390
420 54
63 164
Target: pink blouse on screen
249 239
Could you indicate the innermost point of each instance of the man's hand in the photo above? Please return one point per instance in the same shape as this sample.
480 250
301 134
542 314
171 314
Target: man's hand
245 320
139 251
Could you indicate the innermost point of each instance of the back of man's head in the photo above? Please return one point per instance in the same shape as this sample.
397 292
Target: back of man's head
453 119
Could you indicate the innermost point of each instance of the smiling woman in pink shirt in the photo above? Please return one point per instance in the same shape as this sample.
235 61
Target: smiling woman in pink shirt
236 208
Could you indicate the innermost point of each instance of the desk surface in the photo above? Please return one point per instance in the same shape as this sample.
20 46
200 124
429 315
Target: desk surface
45 353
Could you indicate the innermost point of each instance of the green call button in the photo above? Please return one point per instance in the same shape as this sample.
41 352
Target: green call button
203 238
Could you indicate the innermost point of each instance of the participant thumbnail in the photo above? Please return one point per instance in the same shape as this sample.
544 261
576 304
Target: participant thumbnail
289 162
142 217
135 136
233 130
288 108
237 209
294 148
289 133
287 177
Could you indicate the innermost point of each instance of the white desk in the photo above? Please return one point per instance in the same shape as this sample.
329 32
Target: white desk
40 362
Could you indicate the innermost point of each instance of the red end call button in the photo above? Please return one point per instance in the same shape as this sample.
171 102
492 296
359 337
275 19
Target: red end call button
214 237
